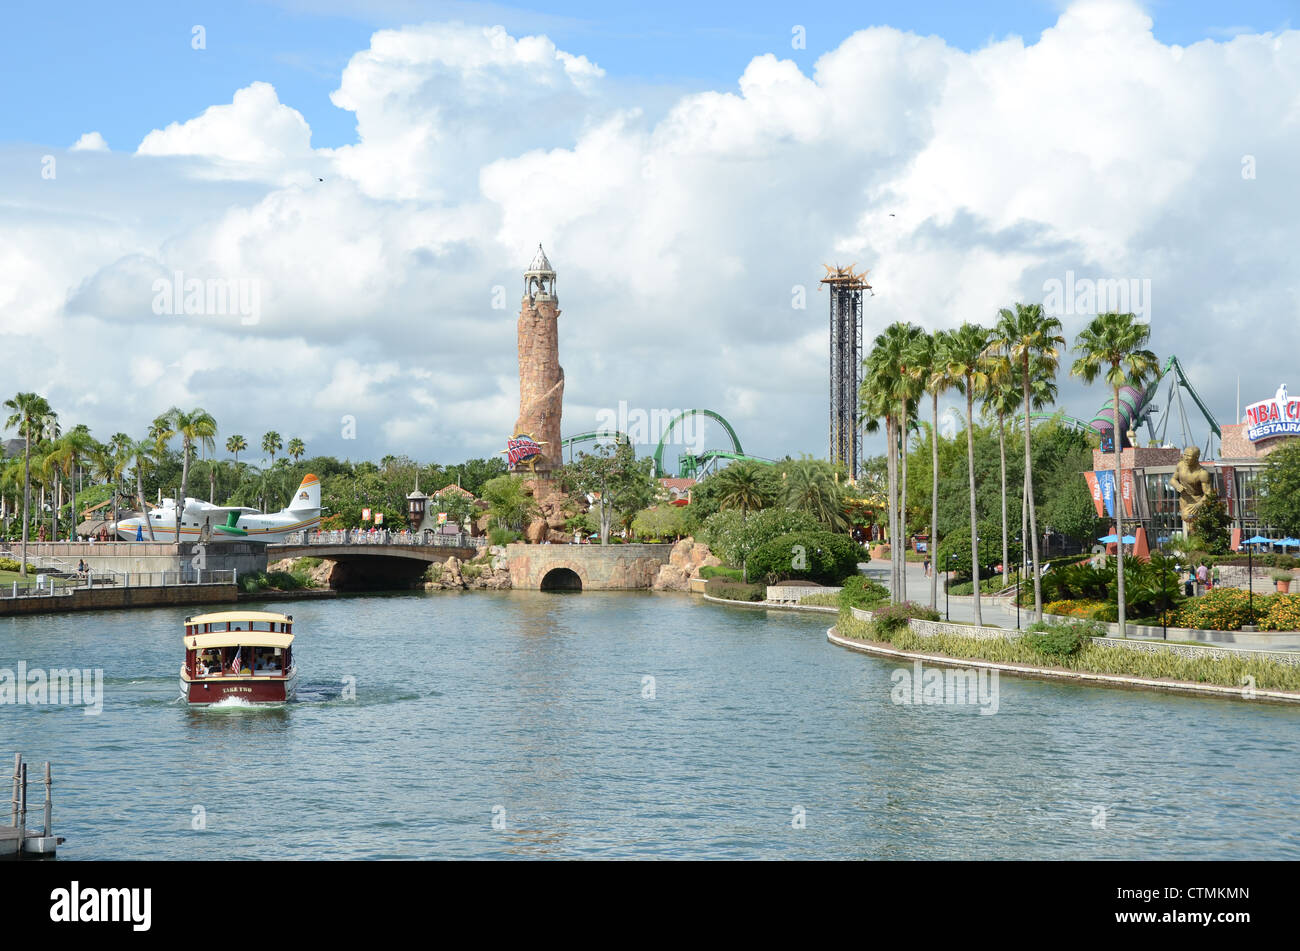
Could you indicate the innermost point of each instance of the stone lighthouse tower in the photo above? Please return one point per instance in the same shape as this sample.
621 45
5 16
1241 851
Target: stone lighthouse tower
541 378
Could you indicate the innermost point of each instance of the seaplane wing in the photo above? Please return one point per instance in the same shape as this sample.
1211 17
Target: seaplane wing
228 523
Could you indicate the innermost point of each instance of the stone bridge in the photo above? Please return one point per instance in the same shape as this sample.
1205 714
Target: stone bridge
585 567
366 566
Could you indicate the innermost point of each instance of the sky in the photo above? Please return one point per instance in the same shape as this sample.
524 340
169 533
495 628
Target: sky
369 180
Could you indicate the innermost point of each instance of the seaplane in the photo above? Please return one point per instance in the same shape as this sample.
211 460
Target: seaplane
228 523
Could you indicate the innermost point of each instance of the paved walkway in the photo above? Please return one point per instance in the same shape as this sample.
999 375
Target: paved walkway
997 614
955 607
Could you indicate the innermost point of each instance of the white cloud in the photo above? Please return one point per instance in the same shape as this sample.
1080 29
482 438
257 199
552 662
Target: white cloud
255 136
90 142
963 180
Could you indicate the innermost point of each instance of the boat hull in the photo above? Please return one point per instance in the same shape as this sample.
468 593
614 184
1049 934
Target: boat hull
206 691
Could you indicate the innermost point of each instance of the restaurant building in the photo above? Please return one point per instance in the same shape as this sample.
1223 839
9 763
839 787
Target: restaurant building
1148 497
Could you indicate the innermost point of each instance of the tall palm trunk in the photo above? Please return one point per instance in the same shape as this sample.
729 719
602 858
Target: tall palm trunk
1029 503
72 515
1119 512
1002 458
144 505
27 495
891 462
974 528
185 484
932 546
902 509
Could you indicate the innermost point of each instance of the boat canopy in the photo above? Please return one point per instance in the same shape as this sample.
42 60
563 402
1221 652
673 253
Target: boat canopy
238 639
239 617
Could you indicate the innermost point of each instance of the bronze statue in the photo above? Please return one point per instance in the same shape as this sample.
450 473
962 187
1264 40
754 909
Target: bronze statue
1192 483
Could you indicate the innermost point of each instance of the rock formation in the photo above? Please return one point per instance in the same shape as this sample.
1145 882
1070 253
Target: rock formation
684 563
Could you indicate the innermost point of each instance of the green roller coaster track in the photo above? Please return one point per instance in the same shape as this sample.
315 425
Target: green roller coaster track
591 437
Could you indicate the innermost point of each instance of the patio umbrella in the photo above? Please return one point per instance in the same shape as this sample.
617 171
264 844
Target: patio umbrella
1258 540
1289 543
1108 539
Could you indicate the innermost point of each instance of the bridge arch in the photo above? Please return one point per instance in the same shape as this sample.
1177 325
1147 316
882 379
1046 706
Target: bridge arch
663 440
561 578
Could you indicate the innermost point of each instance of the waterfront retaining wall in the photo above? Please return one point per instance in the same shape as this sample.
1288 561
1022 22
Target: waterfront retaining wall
141 557
92 599
598 567
937 628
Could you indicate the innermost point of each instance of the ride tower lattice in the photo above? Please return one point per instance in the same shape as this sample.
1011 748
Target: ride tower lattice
846 287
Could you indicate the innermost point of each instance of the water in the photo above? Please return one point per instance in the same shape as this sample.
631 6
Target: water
528 707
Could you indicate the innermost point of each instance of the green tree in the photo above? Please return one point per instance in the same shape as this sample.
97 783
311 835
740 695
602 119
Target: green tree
937 382
614 478
196 426
1113 347
1031 341
814 486
296 449
510 504
744 485
1279 484
28 413
964 357
1212 530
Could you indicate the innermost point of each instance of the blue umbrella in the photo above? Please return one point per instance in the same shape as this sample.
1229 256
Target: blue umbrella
1258 540
1111 539
139 533
1289 543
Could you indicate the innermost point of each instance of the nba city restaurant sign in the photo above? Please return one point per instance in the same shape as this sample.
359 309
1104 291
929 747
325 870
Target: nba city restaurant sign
1279 416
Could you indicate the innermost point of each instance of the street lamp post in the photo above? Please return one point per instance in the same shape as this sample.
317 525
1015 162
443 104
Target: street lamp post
947 583
1020 579
1250 579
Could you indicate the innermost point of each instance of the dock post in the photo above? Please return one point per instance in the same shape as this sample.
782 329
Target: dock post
49 801
22 812
13 802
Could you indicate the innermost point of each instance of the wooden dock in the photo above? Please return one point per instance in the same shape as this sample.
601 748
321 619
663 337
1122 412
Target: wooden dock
22 838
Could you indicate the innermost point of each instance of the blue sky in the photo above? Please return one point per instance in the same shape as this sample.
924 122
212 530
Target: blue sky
124 69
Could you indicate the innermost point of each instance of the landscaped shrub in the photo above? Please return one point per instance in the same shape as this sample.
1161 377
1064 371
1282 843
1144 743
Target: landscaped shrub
469 571
718 571
957 544
892 618
1280 612
1060 639
1107 613
433 572
734 590
11 564
1071 607
863 593
823 557
1222 609
283 581
503 536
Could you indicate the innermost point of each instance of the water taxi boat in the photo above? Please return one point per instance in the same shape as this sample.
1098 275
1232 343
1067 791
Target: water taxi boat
238 655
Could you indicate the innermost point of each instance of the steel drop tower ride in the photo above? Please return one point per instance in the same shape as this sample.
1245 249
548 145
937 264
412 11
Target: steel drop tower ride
846 287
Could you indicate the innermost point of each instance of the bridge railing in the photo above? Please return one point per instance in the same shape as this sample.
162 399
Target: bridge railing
355 536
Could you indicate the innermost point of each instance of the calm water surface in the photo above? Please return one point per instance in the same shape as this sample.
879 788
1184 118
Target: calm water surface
530 707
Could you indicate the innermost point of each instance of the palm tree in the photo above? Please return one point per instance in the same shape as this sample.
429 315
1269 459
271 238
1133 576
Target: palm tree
198 425
1002 399
272 444
812 486
888 392
67 456
1031 340
927 366
1114 346
28 413
141 455
964 358
742 486
296 448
